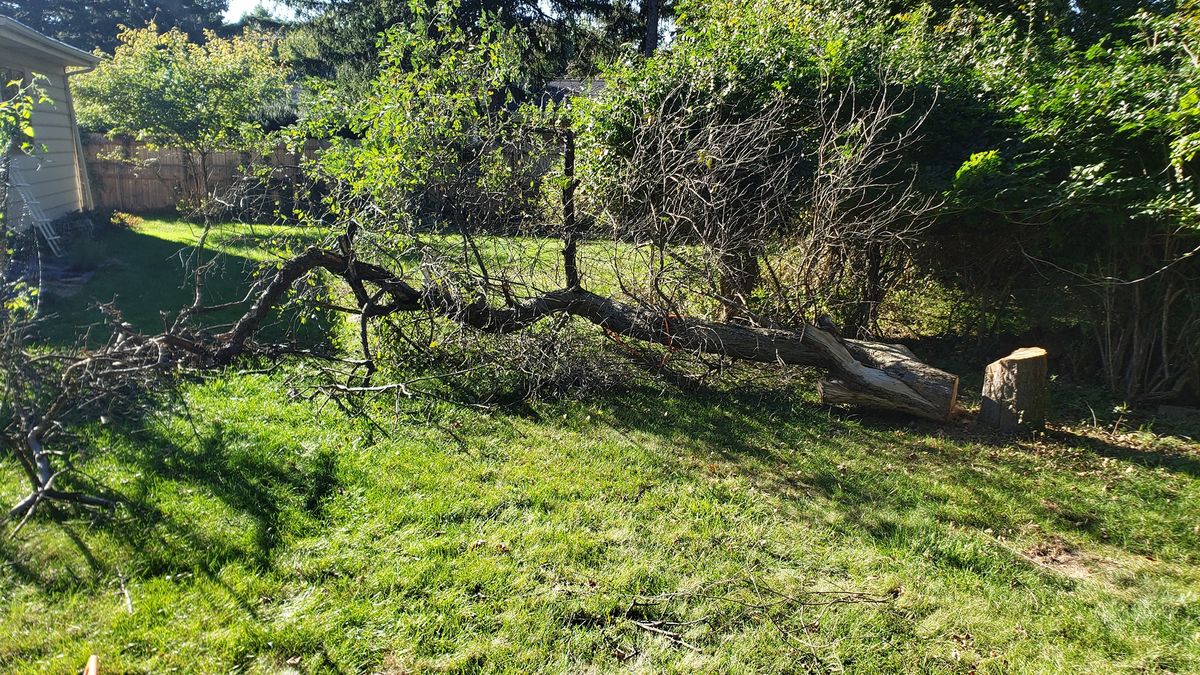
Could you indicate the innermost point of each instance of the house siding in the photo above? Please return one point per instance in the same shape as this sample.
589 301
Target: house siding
53 170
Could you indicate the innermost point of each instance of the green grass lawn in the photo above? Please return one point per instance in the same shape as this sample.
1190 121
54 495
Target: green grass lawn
144 270
639 530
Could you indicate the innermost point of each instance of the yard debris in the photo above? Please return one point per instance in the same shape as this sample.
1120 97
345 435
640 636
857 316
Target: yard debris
1058 555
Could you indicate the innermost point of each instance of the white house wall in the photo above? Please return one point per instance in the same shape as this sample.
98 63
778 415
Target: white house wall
52 170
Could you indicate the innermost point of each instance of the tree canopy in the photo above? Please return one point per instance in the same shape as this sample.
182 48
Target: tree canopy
164 89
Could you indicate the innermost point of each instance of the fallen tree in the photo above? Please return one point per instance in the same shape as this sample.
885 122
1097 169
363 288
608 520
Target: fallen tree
877 375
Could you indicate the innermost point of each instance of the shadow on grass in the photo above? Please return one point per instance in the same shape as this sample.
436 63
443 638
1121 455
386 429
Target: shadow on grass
865 471
262 491
148 278
905 486
239 473
1174 462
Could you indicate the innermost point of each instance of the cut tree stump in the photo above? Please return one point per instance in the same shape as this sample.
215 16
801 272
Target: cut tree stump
1014 391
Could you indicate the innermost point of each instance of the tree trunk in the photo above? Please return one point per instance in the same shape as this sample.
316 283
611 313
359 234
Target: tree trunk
873 292
1014 391
937 389
884 376
570 225
650 39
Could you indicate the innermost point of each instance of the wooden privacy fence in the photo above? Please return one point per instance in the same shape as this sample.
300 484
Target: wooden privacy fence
128 176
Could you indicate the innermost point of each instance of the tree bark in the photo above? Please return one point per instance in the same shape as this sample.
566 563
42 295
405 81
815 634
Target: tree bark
936 390
740 277
1014 391
650 39
570 225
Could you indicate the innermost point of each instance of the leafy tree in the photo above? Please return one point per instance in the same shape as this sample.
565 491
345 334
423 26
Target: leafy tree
434 137
164 89
95 24
1064 159
845 84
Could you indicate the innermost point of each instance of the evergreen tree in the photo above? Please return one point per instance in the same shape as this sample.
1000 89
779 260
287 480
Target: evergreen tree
93 24
340 38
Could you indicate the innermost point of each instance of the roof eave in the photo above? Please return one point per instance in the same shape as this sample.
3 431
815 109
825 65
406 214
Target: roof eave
61 52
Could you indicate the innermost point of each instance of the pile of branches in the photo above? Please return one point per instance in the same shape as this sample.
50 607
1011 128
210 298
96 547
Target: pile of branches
46 392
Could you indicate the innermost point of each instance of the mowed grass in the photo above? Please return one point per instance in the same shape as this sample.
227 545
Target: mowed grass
147 270
641 530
